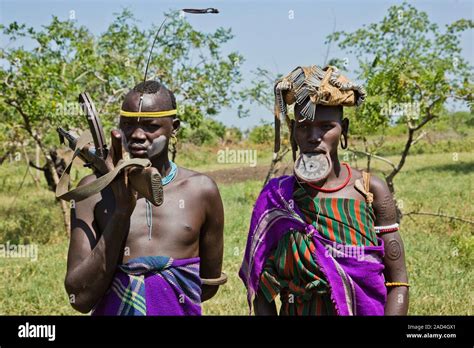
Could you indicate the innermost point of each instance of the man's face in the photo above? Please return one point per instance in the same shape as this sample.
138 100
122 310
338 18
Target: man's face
322 134
140 135
141 131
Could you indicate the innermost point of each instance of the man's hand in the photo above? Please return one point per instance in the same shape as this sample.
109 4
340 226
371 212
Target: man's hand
94 255
125 195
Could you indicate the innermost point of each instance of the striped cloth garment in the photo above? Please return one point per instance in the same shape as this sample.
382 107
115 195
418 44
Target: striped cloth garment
291 270
153 285
295 249
342 220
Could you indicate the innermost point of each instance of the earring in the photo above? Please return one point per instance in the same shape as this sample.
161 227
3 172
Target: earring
174 140
344 144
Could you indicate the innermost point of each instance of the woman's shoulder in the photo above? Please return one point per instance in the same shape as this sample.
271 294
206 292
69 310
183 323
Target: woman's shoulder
383 201
376 184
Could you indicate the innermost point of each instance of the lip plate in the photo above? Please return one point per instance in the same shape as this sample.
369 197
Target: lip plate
316 151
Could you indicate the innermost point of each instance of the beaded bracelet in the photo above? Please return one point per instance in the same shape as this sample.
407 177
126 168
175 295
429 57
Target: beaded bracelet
397 284
385 229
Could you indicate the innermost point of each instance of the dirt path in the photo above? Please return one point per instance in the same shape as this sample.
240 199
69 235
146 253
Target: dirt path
233 175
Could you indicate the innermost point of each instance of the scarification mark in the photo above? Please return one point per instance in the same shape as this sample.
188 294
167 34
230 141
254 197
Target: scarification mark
386 211
394 250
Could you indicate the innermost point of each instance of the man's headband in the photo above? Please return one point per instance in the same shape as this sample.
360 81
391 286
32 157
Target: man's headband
148 113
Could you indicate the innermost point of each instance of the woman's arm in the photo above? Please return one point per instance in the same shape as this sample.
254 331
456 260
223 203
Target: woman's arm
394 259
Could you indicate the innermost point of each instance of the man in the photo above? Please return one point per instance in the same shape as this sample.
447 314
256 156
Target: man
326 238
128 257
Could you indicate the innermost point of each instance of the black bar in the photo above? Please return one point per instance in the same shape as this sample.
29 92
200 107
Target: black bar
290 331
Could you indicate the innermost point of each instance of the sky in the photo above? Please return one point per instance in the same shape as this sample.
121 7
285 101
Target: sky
276 35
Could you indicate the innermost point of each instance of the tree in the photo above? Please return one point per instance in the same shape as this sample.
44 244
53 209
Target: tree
410 68
263 134
209 132
233 135
261 93
39 87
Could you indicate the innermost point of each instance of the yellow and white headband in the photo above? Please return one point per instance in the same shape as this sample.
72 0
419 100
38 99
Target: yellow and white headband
148 113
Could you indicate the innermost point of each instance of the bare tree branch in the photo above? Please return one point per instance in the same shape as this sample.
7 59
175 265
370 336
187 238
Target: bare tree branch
453 217
368 154
418 138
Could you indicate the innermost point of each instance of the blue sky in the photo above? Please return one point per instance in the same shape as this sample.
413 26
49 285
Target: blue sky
265 33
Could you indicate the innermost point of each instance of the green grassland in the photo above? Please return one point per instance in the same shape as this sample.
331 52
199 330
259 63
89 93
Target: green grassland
439 252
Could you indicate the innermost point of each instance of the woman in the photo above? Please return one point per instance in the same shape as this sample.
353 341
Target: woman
326 238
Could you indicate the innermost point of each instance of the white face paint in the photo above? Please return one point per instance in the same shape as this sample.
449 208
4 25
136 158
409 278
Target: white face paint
156 147
313 167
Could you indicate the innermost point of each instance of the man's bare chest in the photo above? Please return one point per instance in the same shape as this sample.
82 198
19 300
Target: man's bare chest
172 228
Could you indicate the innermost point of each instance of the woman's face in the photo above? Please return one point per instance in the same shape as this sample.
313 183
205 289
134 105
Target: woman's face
322 134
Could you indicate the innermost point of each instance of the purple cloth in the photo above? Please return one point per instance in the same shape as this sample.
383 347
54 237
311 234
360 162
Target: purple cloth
154 285
357 285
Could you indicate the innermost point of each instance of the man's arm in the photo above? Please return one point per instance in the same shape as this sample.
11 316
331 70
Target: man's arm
394 259
93 257
211 240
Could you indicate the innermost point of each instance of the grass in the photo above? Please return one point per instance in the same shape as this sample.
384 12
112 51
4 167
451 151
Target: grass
440 252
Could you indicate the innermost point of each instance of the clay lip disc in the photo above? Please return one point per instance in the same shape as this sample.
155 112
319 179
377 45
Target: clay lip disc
312 166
